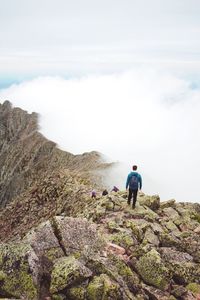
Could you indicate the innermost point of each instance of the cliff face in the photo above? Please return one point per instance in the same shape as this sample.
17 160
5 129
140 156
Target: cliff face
26 155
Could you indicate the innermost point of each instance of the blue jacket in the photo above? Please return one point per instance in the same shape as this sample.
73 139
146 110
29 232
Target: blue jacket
129 178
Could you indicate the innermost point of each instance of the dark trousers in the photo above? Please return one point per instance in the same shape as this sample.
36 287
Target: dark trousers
132 193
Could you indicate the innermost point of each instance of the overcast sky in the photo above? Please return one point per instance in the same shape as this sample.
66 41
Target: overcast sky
54 37
120 77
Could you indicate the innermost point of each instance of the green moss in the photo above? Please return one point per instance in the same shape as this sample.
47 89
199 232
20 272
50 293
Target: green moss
112 226
194 288
122 239
67 271
16 271
103 288
152 270
2 276
196 217
58 297
76 293
172 297
186 271
124 271
136 230
20 284
53 254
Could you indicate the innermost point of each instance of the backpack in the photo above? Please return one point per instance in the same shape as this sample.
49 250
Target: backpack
133 184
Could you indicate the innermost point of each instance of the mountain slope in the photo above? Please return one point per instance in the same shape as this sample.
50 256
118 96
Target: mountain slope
26 155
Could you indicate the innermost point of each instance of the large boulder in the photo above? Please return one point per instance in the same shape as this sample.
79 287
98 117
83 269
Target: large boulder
44 241
102 287
68 271
153 271
19 275
181 266
77 235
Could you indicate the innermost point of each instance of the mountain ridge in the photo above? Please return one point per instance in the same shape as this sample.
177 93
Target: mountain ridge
59 243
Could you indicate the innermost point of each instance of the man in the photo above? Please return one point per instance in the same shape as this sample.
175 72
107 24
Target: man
134 181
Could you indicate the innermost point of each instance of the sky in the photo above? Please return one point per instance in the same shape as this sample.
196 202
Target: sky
119 77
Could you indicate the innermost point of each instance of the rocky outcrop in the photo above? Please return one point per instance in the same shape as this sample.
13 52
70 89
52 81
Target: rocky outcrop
26 155
107 251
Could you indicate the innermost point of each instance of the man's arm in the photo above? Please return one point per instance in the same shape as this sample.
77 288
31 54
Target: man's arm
127 181
140 182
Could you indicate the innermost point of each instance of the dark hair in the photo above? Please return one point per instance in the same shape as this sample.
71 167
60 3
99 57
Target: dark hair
134 168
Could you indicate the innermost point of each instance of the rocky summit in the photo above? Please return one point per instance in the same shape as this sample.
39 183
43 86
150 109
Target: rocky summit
56 242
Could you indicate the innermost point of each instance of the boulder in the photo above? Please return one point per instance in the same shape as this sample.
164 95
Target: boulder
153 271
77 235
44 241
153 202
102 287
181 265
67 271
19 275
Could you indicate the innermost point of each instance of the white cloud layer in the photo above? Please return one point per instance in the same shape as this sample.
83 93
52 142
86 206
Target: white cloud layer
144 117
76 37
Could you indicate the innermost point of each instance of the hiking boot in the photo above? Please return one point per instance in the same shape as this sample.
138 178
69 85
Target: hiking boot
128 202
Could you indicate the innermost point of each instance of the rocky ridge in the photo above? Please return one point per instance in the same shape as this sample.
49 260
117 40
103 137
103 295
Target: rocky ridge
107 250
56 242
26 155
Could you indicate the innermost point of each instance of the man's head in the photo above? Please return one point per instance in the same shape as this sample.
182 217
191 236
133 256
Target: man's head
134 168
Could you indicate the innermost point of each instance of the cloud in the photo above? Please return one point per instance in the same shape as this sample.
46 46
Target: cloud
145 116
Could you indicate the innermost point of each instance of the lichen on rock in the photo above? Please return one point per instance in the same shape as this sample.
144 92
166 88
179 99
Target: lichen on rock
66 272
153 271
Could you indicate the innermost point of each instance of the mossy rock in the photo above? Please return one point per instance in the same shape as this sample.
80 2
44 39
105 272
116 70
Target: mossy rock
169 240
113 226
76 293
122 239
103 288
67 271
136 229
144 212
150 237
194 288
129 276
184 272
168 203
153 271
18 276
153 202
58 297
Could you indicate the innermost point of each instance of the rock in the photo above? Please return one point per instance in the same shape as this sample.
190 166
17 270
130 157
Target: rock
44 241
19 275
197 230
153 271
77 293
181 265
67 271
194 288
153 202
123 239
169 203
150 237
155 294
178 291
102 287
171 213
78 235
115 249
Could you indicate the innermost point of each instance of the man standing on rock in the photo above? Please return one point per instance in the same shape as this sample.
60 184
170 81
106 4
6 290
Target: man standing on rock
134 181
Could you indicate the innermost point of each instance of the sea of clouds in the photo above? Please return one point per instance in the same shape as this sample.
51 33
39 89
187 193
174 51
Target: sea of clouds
146 117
